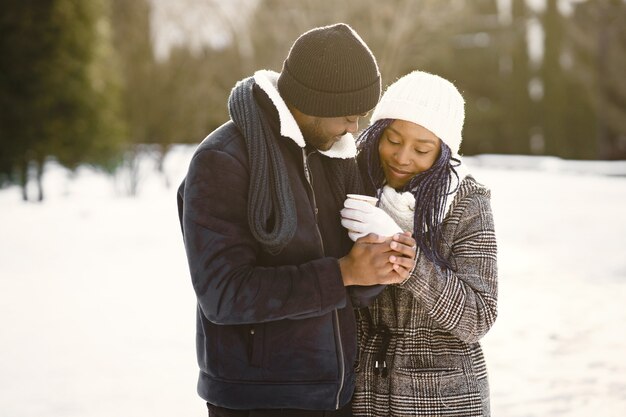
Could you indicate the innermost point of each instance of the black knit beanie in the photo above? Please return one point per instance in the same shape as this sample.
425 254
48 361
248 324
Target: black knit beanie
330 72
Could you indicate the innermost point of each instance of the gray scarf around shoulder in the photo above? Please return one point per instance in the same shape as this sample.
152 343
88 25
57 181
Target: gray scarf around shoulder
271 208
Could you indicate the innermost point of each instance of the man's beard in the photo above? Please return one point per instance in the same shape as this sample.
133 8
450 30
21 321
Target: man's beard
314 136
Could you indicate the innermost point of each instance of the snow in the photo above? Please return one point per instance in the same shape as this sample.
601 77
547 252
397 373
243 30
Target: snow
97 310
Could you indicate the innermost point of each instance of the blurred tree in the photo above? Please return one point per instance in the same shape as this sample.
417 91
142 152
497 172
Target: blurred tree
598 34
554 99
54 98
99 139
139 93
515 74
567 118
25 50
193 88
176 98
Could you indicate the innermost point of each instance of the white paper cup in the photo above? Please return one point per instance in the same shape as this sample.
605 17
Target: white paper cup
366 198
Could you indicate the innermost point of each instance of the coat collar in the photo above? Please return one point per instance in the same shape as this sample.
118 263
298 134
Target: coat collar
267 80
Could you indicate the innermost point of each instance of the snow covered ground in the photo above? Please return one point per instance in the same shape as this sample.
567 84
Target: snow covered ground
97 310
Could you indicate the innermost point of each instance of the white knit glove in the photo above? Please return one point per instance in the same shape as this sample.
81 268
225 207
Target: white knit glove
362 218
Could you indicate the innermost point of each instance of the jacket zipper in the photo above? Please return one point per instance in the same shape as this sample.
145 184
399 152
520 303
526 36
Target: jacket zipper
309 179
342 365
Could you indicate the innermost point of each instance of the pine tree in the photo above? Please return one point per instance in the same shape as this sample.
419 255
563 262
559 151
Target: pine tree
56 105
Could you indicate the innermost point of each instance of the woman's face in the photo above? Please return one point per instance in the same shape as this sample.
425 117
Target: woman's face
406 149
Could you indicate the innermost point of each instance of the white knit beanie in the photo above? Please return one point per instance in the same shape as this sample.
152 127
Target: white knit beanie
428 100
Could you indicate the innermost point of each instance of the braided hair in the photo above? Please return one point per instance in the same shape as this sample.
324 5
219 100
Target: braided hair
430 188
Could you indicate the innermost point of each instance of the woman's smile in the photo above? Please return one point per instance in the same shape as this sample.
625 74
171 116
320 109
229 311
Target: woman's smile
399 172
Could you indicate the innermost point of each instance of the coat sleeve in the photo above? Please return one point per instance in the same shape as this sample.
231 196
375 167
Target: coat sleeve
463 302
230 286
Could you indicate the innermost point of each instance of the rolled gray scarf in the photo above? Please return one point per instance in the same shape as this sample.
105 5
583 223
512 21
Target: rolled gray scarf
271 208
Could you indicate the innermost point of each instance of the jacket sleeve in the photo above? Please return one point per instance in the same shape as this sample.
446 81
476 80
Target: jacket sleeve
463 302
364 296
230 286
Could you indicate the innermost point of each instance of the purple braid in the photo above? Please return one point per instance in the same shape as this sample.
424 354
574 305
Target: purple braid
430 188
367 147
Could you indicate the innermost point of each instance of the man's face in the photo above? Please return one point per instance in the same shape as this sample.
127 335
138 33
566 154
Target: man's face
323 132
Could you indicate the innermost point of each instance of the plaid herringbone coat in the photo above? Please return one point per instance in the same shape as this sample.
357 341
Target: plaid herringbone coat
419 350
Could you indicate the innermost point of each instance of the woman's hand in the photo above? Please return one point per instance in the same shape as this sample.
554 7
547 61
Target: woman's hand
362 218
406 246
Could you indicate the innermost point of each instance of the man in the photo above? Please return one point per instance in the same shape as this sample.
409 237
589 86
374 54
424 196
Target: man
268 257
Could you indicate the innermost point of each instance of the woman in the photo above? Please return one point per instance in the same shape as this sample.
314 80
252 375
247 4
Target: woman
419 349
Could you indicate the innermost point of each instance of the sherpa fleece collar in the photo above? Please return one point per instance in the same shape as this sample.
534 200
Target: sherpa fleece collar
268 81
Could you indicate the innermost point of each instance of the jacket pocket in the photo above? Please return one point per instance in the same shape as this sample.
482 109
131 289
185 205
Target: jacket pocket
433 391
255 345
240 352
301 350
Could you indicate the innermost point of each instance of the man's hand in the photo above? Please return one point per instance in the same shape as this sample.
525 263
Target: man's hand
379 260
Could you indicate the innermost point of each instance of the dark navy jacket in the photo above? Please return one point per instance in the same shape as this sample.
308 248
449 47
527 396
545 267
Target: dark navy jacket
272 331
